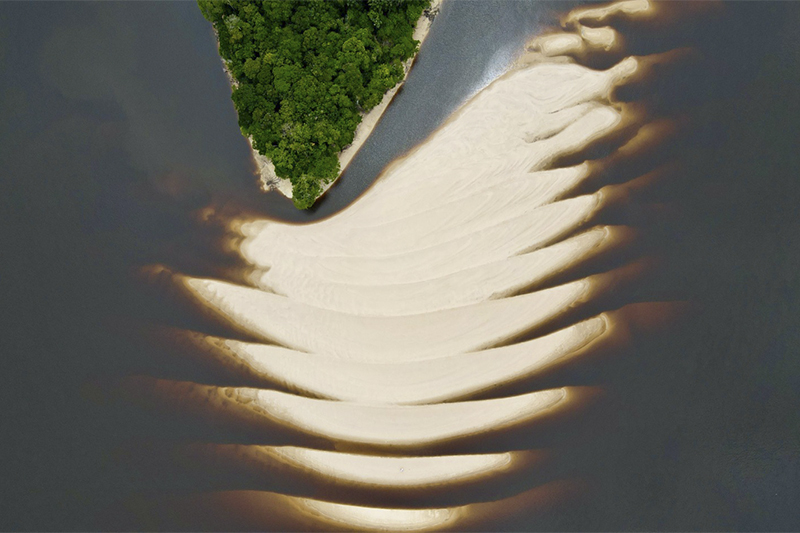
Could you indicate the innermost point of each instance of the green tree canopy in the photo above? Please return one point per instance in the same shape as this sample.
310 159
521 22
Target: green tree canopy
305 70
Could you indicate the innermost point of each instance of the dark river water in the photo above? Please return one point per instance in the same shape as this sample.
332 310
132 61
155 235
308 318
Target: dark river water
116 126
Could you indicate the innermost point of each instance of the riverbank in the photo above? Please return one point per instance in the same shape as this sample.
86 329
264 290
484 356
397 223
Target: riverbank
269 181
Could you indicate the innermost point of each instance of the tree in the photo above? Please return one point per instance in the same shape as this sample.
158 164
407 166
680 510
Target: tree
305 69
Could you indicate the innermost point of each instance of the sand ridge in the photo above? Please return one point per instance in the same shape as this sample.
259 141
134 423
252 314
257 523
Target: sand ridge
392 330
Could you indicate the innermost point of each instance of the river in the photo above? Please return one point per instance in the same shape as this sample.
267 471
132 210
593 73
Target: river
117 130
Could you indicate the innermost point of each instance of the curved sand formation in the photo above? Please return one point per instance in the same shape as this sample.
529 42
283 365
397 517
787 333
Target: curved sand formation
393 471
384 426
468 286
462 271
409 382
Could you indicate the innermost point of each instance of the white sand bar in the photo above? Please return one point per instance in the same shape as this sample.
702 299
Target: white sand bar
471 285
385 471
379 519
434 286
385 339
518 124
523 233
400 425
427 381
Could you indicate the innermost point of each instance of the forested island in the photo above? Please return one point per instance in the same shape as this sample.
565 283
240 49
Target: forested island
304 73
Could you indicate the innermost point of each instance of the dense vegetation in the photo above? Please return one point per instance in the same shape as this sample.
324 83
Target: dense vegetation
304 71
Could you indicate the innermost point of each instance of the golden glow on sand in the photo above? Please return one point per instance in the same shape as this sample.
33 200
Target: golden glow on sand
394 471
385 339
402 425
375 518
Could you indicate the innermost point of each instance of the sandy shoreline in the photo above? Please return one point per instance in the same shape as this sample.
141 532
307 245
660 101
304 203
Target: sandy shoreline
270 181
